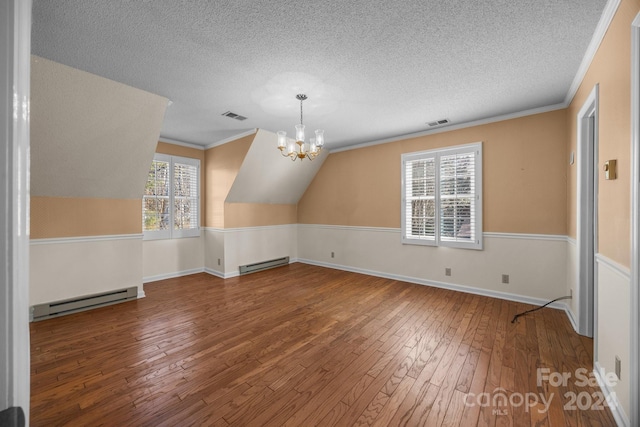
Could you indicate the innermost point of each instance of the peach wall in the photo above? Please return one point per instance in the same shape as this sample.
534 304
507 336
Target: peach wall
192 153
222 164
523 173
258 214
54 217
221 167
179 150
611 69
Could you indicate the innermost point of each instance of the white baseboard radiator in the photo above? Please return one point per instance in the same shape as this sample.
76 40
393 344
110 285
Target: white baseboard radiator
264 265
85 302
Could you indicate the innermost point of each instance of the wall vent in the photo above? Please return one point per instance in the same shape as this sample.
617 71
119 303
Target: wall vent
259 266
234 116
439 122
86 302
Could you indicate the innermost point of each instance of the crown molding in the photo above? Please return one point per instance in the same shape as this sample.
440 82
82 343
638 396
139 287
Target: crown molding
231 138
608 13
443 129
181 143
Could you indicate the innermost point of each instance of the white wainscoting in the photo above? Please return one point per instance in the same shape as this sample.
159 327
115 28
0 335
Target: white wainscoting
536 264
613 302
214 251
70 267
168 258
240 246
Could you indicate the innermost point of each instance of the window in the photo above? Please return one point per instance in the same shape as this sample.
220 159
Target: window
442 197
171 205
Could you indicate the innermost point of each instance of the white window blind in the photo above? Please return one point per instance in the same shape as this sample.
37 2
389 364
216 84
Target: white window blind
170 205
420 199
442 197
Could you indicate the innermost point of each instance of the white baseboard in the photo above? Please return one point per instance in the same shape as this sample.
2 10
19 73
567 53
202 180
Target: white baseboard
616 408
235 273
443 285
451 286
172 275
220 274
213 272
141 294
571 316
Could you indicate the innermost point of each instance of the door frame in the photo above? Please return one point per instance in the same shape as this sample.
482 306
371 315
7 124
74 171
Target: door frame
587 216
635 221
15 63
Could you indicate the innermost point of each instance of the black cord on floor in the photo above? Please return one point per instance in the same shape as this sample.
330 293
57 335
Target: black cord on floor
538 308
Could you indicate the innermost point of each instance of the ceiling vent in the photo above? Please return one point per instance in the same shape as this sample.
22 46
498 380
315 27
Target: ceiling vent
234 116
439 122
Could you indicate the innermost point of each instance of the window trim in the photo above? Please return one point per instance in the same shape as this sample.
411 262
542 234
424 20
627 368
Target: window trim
172 233
437 154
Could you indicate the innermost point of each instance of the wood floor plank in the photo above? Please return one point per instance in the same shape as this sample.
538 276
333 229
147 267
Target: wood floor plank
420 412
335 414
471 411
372 411
395 399
469 368
418 395
243 402
370 393
447 388
454 410
301 346
324 401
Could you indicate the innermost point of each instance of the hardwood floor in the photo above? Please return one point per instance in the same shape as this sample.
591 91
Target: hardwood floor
301 346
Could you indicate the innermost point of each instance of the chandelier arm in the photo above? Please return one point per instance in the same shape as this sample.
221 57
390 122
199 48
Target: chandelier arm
302 151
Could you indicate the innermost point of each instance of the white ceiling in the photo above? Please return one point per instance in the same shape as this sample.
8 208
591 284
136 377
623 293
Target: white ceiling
265 177
372 69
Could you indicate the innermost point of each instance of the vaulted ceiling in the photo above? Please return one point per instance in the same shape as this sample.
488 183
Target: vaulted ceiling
90 137
372 69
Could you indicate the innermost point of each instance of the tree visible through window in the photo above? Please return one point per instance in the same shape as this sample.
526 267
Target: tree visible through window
156 197
170 204
442 197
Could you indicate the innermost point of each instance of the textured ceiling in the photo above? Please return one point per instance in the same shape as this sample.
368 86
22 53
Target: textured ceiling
372 69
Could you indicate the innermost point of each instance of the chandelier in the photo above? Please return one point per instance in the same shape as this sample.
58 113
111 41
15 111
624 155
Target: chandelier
303 150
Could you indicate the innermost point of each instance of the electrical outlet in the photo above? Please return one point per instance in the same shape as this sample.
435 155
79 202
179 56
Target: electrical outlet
618 367
505 278
333 255
218 261
447 272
